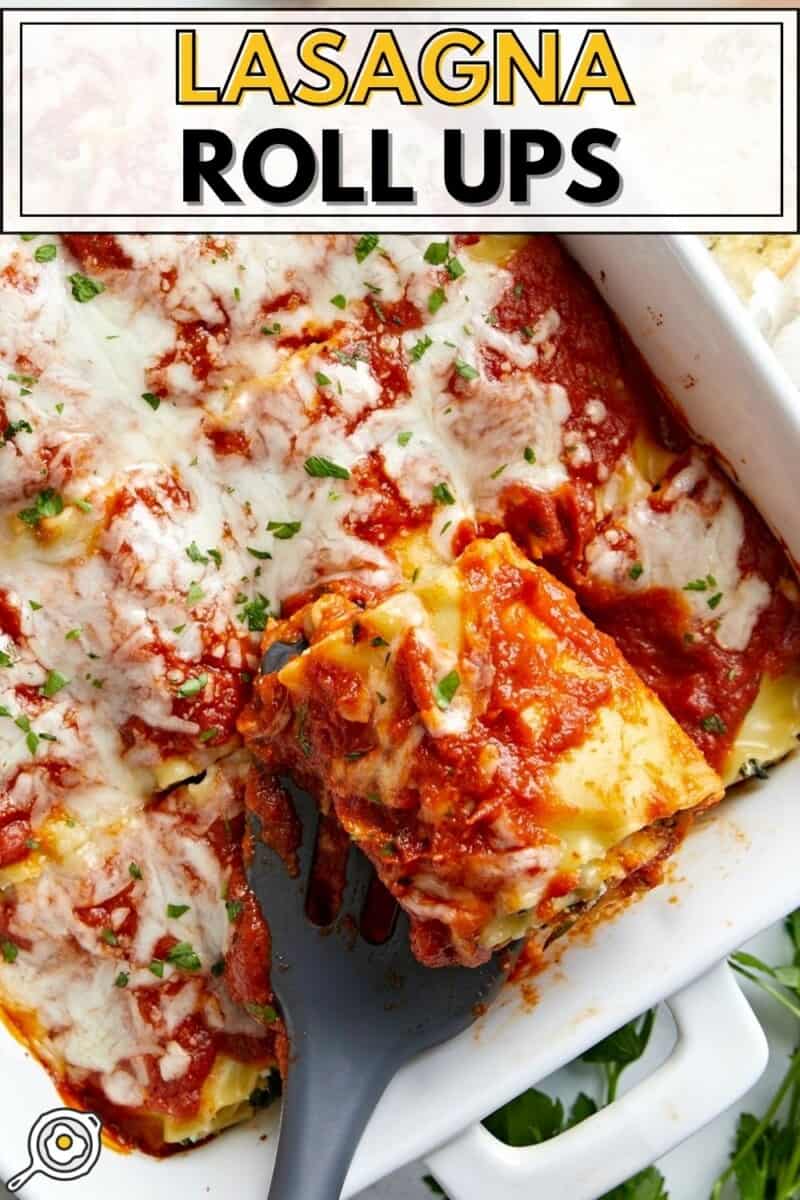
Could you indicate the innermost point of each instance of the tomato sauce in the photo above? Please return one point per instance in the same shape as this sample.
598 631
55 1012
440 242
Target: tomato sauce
97 251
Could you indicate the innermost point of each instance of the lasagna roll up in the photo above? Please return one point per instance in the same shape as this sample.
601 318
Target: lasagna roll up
489 749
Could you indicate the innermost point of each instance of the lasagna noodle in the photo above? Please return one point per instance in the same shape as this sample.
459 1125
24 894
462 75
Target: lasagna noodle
485 746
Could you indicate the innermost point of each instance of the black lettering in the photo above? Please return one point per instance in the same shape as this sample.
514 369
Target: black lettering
383 190
522 169
198 170
492 181
253 166
609 186
333 190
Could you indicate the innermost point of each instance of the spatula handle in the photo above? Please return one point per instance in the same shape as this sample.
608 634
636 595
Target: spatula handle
329 1096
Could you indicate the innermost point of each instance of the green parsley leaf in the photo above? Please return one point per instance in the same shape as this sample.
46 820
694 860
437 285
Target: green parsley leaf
436 300
183 956
157 968
215 557
339 300
122 979
270 329
322 380
636 570
152 399
54 683
192 687
262 1012
499 471
713 724
714 600
255 613
365 245
454 268
695 585
84 288
83 505
194 595
14 427
176 910
437 253
234 910
433 1186
404 438
419 347
5 659
323 468
32 741
529 454
209 734
194 553
620 1049
442 494
48 503
284 529
645 1185
446 688
9 950
109 937
45 253
465 370
134 870
260 554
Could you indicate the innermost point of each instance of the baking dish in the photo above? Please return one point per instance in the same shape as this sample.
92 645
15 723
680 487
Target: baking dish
735 875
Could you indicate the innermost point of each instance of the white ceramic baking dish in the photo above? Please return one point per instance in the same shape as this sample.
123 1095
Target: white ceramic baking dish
735 875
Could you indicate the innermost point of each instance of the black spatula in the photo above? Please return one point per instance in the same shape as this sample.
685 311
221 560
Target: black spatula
355 1011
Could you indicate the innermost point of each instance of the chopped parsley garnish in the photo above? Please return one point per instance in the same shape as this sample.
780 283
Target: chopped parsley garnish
45 253
8 950
22 722
5 659
323 468
73 634
445 527
446 688
701 585
215 557
135 871
267 330
183 956
454 268
365 245
420 346
497 473
442 494
339 300
713 724
176 910
192 687
260 554
209 734
48 503
284 529
54 683
157 968
237 295
84 288
13 428
322 380
436 300
195 554
83 505
122 979
437 253
233 909
350 360
529 454
404 438
109 937
714 600
25 381
194 594
465 370
262 1012
32 741
152 399
636 570
379 641
255 613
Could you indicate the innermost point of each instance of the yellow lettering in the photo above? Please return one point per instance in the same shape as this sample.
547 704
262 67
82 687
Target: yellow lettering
308 51
256 70
475 74
596 69
188 92
511 58
383 69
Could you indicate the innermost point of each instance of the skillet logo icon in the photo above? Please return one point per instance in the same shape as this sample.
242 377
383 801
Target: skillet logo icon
63 1144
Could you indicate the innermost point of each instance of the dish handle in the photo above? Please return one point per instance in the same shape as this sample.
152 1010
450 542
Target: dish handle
720 1052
